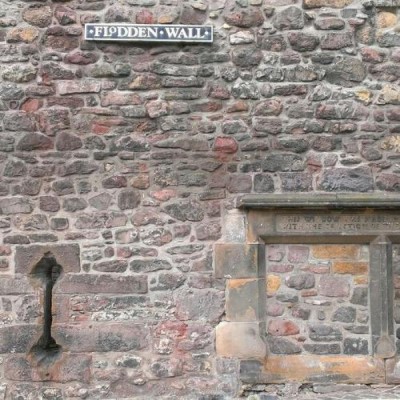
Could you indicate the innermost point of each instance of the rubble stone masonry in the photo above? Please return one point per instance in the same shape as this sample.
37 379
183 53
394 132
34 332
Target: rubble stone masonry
121 161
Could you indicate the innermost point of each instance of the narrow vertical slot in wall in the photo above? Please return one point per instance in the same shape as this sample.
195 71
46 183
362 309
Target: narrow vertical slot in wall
44 276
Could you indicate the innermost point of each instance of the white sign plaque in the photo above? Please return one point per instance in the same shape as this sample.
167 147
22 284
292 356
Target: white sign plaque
149 33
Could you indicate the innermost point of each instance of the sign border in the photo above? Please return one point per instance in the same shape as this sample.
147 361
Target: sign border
209 40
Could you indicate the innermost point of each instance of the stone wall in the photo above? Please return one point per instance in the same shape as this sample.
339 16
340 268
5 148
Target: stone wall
120 161
318 299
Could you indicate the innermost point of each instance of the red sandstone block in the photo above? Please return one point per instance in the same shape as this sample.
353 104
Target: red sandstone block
225 145
115 98
298 254
281 327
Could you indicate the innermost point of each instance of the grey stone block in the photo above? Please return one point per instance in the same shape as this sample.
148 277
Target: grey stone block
67 255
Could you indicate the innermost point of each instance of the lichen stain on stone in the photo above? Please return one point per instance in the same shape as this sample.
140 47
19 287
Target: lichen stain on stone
391 143
390 94
364 95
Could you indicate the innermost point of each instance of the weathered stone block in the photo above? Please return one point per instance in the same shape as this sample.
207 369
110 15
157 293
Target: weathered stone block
102 338
167 281
307 368
326 3
85 283
69 368
199 305
355 346
240 340
68 256
392 371
38 15
239 260
84 86
279 345
18 338
25 35
263 183
302 41
344 314
347 179
15 205
334 286
128 199
290 18
15 286
233 227
273 284
329 23
360 296
347 72
335 41
337 251
282 327
325 333
245 18
301 281
350 267
245 299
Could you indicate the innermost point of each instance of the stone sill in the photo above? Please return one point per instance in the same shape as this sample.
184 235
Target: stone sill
320 201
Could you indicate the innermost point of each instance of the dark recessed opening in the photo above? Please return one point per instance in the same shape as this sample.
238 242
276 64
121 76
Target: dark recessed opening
44 275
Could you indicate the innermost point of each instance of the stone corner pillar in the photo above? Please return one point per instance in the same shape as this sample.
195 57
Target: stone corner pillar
243 340
381 298
242 334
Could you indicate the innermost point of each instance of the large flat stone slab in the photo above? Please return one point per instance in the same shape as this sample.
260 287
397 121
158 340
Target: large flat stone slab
312 368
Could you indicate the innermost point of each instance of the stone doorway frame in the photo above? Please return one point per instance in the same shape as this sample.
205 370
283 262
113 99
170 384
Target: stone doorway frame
240 260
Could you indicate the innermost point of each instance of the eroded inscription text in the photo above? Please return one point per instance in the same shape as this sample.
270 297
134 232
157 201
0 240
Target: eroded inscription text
337 223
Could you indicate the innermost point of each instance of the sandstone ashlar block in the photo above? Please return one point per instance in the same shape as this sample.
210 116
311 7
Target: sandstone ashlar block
313 368
67 255
350 267
239 260
241 340
335 251
392 371
234 230
381 297
245 299
273 283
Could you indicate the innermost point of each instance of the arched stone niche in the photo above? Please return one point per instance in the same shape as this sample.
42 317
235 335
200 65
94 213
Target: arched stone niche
311 288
